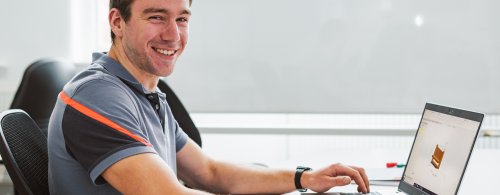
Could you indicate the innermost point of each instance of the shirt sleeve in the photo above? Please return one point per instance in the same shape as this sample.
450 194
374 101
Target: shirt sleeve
100 127
180 138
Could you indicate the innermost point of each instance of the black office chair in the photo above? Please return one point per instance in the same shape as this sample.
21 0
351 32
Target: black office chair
41 83
180 113
23 147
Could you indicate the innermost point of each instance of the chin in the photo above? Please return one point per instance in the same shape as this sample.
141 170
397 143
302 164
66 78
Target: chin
166 73
163 70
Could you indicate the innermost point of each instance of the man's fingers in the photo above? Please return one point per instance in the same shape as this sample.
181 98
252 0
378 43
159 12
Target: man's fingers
362 172
356 176
341 175
341 181
361 183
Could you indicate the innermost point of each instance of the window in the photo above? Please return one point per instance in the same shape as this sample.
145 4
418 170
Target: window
89 29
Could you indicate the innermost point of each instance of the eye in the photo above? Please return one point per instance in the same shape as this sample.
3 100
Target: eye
155 18
182 19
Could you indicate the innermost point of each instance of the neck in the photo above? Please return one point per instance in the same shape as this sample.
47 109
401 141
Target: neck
149 81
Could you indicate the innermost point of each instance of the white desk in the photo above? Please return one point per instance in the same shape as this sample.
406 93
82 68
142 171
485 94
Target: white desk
483 173
481 177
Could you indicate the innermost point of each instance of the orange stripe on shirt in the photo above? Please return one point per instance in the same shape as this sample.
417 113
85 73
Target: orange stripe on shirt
96 116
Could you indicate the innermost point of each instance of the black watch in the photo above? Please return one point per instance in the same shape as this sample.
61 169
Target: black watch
298 175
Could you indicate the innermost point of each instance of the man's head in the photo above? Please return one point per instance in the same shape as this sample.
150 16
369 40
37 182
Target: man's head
124 7
149 34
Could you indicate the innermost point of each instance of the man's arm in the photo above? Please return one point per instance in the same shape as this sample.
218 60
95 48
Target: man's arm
200 171
144 173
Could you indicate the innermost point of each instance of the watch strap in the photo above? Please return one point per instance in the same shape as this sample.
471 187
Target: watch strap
298 175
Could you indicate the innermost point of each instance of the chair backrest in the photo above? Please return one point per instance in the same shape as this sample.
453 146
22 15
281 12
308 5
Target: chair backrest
41 83
180 113
23 147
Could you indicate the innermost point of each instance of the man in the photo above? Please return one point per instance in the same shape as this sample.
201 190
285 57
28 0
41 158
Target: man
112 131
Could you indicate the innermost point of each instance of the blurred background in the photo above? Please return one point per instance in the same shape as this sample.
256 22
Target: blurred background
279 80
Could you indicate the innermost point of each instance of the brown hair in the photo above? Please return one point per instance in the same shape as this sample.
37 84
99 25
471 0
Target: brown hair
123 7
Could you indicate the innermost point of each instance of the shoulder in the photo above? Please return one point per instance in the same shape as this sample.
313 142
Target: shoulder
95 80
102 92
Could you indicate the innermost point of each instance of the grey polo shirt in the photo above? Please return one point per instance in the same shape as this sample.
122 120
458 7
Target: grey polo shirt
104 115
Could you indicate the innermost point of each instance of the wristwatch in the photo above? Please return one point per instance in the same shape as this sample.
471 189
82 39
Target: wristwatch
298 175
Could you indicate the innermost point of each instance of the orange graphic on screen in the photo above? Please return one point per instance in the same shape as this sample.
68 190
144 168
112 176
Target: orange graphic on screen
437 157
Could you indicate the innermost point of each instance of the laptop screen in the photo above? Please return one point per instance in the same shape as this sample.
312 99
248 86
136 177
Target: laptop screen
441 150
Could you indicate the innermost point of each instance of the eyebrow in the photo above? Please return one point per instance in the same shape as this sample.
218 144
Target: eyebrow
162 10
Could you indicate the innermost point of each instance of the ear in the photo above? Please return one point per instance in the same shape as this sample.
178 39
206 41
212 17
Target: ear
115 22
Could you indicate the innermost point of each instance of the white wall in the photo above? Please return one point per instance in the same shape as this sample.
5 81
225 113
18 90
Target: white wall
30 30
342 56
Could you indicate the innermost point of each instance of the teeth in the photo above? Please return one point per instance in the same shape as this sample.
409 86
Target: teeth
165 52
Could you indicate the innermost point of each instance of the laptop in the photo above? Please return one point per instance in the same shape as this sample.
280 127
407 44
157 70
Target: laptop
440 152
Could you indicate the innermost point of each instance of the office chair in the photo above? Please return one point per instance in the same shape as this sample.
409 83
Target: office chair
41 83
180 113
23 147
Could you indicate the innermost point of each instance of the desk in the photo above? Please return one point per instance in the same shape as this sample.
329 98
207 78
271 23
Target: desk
483 173
481 177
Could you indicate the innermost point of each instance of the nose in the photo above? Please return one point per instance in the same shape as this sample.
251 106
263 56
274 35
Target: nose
171 32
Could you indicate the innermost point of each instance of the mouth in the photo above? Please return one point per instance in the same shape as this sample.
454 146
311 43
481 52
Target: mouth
166 52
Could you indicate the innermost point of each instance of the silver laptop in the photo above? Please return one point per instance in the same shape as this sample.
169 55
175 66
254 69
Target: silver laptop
441 150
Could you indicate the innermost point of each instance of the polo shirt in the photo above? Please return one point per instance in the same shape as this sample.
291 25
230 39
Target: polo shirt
104 115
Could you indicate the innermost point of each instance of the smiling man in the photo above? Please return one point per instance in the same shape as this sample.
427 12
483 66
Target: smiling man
112 132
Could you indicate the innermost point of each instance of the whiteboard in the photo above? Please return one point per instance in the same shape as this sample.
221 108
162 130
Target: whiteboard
340 56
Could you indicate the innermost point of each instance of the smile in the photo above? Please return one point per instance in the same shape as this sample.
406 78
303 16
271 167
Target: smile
165 51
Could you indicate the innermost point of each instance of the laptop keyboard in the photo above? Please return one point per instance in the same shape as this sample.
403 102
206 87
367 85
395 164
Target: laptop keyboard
358 193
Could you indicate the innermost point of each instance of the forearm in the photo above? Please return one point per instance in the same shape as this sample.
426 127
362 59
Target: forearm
145 173
202 172
251 179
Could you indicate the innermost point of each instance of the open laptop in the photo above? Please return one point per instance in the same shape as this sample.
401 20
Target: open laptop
441 150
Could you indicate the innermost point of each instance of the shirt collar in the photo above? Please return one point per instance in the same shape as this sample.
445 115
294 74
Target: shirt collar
116 69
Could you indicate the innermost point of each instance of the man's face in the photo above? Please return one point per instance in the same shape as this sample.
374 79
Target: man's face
156 34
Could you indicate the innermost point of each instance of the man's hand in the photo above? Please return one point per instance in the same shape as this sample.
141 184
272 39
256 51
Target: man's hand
335 175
